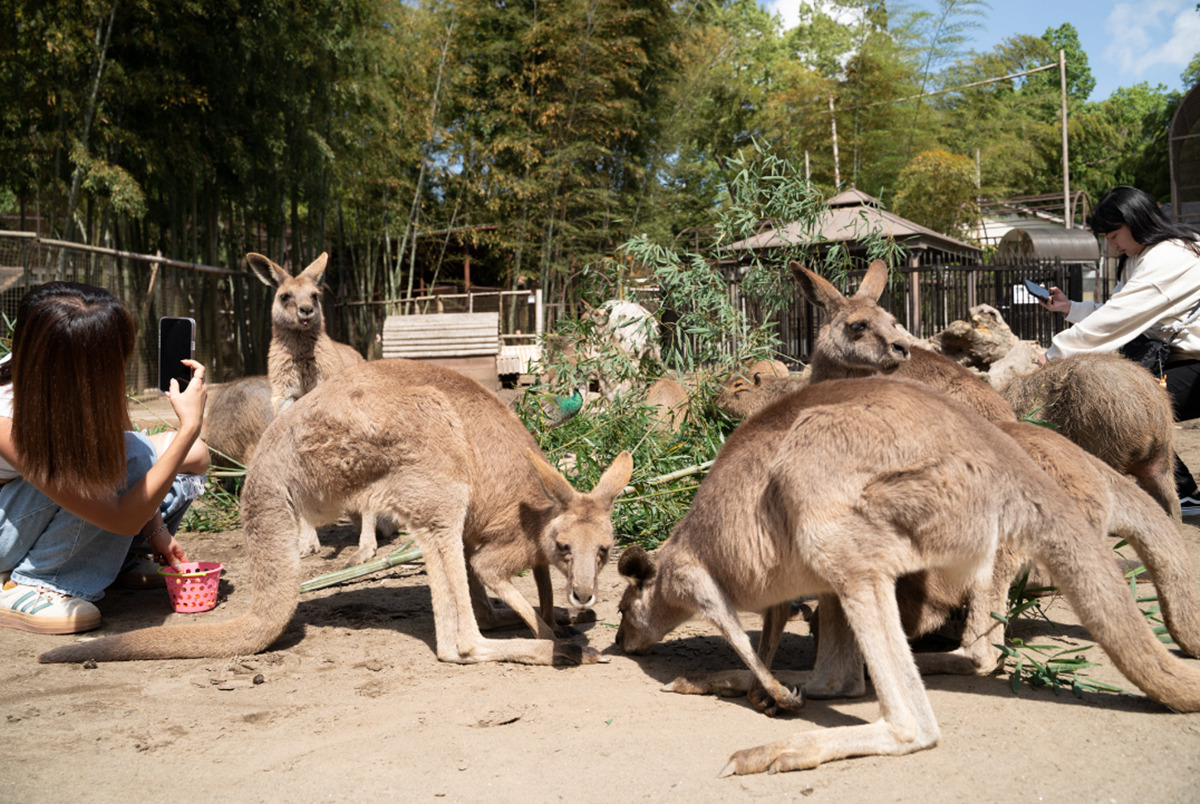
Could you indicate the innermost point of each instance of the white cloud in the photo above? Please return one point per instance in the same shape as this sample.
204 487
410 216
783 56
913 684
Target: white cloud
1152 33
789 10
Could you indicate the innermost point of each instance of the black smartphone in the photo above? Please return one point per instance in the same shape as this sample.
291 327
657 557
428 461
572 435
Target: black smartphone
1036 290
176 343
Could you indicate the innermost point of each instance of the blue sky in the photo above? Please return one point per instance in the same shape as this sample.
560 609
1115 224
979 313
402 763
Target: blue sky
1126 42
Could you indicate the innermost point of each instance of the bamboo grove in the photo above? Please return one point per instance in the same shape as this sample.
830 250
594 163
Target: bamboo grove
524 138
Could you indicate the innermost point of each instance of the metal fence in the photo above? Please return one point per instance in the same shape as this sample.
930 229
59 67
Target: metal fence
926 299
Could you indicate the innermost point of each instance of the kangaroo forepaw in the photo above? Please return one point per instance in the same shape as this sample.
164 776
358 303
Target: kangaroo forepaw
582 616
769 705
359 557
726 683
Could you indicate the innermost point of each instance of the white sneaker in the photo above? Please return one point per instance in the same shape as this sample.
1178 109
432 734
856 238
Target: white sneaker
31 608
1189 506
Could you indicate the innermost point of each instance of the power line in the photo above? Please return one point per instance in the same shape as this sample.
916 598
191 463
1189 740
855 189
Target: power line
965 86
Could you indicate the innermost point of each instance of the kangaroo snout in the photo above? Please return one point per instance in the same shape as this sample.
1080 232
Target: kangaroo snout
587 603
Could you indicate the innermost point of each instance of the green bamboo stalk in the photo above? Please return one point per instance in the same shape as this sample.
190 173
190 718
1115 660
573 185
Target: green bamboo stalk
402 556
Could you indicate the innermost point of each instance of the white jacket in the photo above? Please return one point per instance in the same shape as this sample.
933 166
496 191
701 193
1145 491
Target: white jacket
1157 293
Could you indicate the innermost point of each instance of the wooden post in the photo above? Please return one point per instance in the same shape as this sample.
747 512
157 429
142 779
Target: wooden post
914 296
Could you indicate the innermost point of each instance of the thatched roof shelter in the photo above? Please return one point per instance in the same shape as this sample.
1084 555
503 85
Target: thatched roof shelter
853 214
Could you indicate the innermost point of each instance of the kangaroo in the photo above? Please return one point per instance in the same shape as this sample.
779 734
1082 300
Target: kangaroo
841 488
858 335
301 356
1114 409
236 418
451 463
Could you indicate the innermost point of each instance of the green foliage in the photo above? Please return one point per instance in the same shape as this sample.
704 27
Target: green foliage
541 134
1049 665
706 337
937 190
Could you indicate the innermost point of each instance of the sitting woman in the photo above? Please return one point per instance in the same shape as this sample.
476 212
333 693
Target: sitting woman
77 483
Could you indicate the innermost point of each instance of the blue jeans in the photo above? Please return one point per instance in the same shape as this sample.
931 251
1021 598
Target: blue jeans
44 545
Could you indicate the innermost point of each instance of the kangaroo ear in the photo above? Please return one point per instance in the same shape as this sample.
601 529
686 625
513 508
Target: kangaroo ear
615 479
316 269
636 565
817 290
874 282
556 487
271 274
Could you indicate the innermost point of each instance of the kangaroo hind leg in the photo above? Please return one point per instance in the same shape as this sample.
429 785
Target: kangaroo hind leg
907 723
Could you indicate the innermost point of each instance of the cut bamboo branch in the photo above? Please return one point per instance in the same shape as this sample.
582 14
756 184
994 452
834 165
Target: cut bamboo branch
404 555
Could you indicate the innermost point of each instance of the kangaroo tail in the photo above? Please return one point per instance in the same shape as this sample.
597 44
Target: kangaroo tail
271 528
1088 576
1160 545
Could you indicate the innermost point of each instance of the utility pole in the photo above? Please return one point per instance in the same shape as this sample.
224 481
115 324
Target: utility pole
1062 77
837 173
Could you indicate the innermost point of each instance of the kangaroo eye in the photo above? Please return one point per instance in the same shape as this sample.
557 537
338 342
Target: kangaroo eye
563 549
285 297
603 554
858 326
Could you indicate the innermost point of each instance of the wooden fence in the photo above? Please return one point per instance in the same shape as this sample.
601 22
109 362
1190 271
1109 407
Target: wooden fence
232 308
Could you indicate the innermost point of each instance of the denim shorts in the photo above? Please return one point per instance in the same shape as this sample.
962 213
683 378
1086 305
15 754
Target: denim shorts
45 545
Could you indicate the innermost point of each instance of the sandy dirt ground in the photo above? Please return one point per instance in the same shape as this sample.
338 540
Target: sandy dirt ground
352 705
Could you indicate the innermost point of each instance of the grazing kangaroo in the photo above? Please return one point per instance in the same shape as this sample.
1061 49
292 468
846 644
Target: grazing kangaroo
841 488
1113 408
453 465
301 356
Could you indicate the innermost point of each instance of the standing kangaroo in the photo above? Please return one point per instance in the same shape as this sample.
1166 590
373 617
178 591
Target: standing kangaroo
302 356
841 488
448 461
860 338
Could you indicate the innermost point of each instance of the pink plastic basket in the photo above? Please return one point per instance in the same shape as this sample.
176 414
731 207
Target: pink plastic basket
193 586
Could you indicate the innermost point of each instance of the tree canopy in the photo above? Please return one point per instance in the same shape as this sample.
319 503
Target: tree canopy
530 137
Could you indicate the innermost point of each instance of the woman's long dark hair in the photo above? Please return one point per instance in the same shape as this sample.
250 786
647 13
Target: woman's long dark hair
1129 206
70 345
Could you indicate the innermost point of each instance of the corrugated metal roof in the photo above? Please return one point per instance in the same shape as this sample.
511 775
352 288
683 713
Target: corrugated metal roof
1068 245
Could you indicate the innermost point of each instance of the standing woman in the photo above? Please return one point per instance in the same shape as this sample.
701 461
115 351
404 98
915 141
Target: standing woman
77 483
1157 291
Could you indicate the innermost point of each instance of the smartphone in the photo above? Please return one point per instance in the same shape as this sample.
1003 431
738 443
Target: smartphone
1036 290
176 343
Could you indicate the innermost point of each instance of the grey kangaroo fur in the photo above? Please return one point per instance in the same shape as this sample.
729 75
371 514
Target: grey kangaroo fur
302 356
857 335
838 490
454 466
236 418
1113 408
